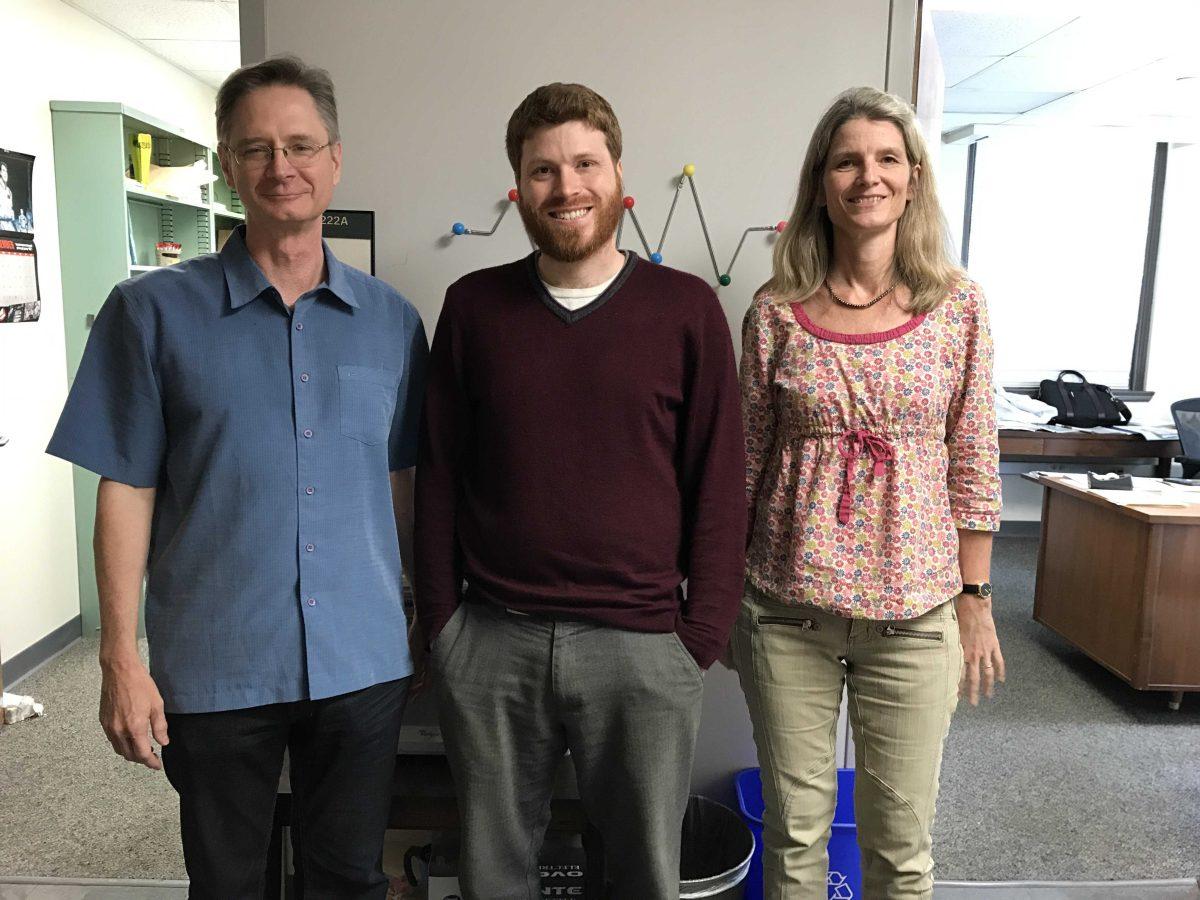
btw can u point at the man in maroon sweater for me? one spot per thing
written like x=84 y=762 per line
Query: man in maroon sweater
x=581 y=457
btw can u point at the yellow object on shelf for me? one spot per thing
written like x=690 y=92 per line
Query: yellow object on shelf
x=141 y=156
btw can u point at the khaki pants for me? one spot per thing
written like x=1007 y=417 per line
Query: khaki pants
x=902 y=678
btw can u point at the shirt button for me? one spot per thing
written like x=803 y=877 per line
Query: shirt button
x=299 y=326
x=310 y=547
x=312 y=601
x=304 y=376
x=310 y=490
x=308 y=432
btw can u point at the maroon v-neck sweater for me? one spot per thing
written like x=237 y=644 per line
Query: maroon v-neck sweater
x=584 y=463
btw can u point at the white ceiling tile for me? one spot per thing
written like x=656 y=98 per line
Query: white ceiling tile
x=211 y=78
x=951 y=121
x=958 y=69
x=990 y=34
x=962 y=100
x=1152 y=91
x=1132 y=39
x=194 y=55
x=202 y=20
x=1148 y=101
x=1099 y=62
x=200 y=36
x=1047 y=73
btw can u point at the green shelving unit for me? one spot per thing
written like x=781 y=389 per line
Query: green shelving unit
x=108 y=226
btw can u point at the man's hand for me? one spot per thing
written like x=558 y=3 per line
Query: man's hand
x=726 y=657
x=130 y=704
x=420 y=659
x=131 y=709
x=983 y=664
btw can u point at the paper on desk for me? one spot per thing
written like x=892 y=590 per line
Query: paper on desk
x=1021 y=425
x=1184 y=489
x=1010 y=425
x=1018 y=411
x=1146 y=491
x=1075 y=429
x=1142 y=498
x=1151 y=432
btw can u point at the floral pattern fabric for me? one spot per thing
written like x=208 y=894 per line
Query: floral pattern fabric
x=865 y=455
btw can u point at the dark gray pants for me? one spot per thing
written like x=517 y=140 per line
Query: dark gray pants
x=514 y=693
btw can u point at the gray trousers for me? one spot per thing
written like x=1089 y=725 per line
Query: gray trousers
x=514 y=693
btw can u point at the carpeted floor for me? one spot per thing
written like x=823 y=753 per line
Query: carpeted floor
x=83 y=889
x=1067 y=775
x=70 y=806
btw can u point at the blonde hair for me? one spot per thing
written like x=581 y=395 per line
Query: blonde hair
x=923 y=257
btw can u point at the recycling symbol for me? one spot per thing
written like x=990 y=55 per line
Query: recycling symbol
x=839 y=887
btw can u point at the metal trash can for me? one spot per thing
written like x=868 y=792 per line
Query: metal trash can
x=715 y=852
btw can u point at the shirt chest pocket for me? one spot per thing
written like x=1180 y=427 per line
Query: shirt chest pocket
x=367 y=397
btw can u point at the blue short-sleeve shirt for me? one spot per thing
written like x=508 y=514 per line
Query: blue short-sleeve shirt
x=274 y=571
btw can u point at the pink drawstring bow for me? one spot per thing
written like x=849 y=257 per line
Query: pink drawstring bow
x=852 y=446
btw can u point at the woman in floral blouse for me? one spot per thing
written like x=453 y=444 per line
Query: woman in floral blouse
x=873 y=487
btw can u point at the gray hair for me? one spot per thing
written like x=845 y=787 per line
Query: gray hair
x=285 y=70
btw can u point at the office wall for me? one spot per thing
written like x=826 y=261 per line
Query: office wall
x=425 y=91
x=55 y=52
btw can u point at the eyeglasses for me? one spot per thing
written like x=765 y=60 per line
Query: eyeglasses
x=259 y=156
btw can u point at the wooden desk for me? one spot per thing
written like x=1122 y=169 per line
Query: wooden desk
x=1080 y=447
x=1123 y=585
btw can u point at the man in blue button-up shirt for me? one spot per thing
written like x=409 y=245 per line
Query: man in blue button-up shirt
x=253 y=417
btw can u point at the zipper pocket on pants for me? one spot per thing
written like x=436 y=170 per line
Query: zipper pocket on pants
x=893 y=631
x=802 y=624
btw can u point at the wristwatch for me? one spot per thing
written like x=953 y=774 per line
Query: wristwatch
x=983 y=589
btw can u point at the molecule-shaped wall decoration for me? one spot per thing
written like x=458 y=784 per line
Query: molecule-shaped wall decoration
x=656 y=255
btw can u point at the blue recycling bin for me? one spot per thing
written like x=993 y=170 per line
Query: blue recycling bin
x=845 y=866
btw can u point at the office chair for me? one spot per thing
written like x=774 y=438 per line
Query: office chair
x=1187 y=422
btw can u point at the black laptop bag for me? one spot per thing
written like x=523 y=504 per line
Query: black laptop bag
x=1081 y=403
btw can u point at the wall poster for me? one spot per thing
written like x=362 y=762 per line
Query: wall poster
x=20 y=296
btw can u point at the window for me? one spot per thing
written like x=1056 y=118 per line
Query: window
x=1066 y=138
x=1058 y=242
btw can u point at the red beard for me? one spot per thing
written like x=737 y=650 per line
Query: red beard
x=569 y=247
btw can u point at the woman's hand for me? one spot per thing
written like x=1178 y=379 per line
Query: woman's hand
x=983 y=664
